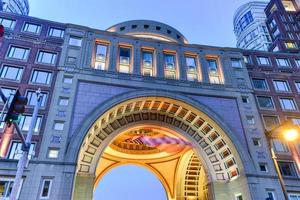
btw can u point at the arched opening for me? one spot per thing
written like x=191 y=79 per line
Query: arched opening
x=131 y=182
x=210 y=169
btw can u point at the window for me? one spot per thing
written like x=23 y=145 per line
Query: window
x=170 y=66
x=250 y=120
x=297 y=62
x=100 y=57
x=68 y=80
x=283 y=62
x=287 y=169
x=59 y=126
x=290 y=45
x=46 y=57
x=236 y=63
x=6 y=185
x=294 y=196
x=245 y=20
x=25 y=121
x=297 y=84
x=247 y=60
x=11 y=72
x=213 y=71
x=8 y=23
x=295 y=121
x=63 y=101
x=271 y=121
x=125 y=60
x=263 y=60
x=260 y=84
x=46 y=188
x=265 y=102
x=32 y=28
x=18 y=53
x=281 y=86
x=147 y=63
x=270 y=194
x=256 y=142
x=53 y=153
x=8 y=92
x=55 y=32
x=245 y=99
x=191 y=63
x=32 y=98
x=280 y=146
x=288 y=104
x=75 y=41
x=41 y=77
x=15 y=151
x=288 y=5
x=263 y=167
x=238 y=197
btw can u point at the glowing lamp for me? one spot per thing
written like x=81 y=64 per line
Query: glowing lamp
x=291 y=135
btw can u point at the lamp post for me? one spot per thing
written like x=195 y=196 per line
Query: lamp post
x=289 y=133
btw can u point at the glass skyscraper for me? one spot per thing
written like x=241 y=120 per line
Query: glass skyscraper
x=15 y=6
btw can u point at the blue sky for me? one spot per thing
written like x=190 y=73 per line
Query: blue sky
x=202 y=22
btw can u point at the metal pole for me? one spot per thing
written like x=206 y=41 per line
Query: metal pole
x=24 y=158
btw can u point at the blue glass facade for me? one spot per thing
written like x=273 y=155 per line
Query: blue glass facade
x=15 y=6
x=244 y=22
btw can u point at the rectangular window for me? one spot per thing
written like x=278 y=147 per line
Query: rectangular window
x=297 y=62
x=8 y=23
x=263 y=167
x=297 y=84
x=41 y=77
x=18 y=53
x=280 y=146
x=260 y=84
x=192 y=73
x=25 y=121
x=148 y=69
x=213 y=71
x=170 y=66
x=287 y=169
x=288 y=104
x=46 y=57
x=55 y=32
x=6 y=185
x=265 y=102
x=270 y=194
x=281 y=86
x=46 y=188
x=8 y=92
x=247 y=60
x=294 y=196
x=238 y=197
x=68 y=80
x=271 y=121
x=53 y=153
x=256 y=142
x=288 y=5
x=32 y=28
x=290 y=45
x=263 y=60
x=236 y=63
x=295 y=121
x=75 y=41
x=58 y=126
x=100 y=57
x=63 y=101
x=11 y=73
x=250 y=120
x=32 y=98
x=125 y=60
x=15 y=151
x=283 y=62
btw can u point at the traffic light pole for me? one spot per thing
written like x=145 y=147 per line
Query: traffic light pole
x=25 y=148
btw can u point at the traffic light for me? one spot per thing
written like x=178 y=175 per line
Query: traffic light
x=17 y=107
x=1 y=30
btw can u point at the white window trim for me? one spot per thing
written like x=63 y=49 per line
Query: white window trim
x=50 y=187
x=12 y=179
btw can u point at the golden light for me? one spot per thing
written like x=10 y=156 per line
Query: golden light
x=291 y=135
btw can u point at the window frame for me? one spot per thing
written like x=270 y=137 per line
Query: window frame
x=166 y=69
x=45 y=101
x=286 y=61
x=219 y=69
x=13 y=23
x=130 y=63
x=268 y=59
x=42 y=188
x=55 y=54
x=13 y=66
x=264 y=121
x=39 y=28
x=152 y=69
x=77 y=38
x=294 y=103
x=106 y=56
x=265 y=108
x=287 y=86
x=195 y=73
x=291 y=164
x=41 y=70
x=265 y=81
x=55 y=28
x=20 y=47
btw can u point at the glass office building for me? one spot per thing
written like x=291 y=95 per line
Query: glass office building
x=15 y=6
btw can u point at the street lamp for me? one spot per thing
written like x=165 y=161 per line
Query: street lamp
x=289 y=133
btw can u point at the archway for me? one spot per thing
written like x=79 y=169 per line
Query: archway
x=220 y=158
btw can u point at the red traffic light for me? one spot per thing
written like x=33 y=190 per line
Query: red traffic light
x=1 y=30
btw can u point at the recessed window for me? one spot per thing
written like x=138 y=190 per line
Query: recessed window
x=280 y=146
x=289 y=6
x=260 y=84
x=125 y=60
x=297 y=84
x=53 y=153
x=283 y=62
x=213 y=71
x=239 y=197
x=41 y=77
x=271 y=121
x=11 y=73
x=55 y=32
x=263 y=167
x=294 y=196
x=250 y=120
x=297 y=61
x=265 y=102
x=147 y=69
x=8 y=23
x=290 y=45
x=295 y=121
x=63 y=101
x=281 y=86
x=32 y=28
x=59 y=126
x=287 y=169
x=6 y=185
x=256 y=142
x=170 y=66
x=263 y=60
x=158 y=28
x=100 y=57
x=46 y=189
x=15 y=151
x=8 y=92
x=288 y=104
x=236 y=63
x=75 y=41
x=68 y=80
x=134 y=26
x=271 y=194
x=192 y=74
x=245 y=99
x=32 y=98
x=122 y=28
x=25 y=121
x=46 y=57
x=247 y=59
x=19 y=53
x=146 y=26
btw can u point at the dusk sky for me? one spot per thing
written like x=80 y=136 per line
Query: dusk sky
x=202 y=22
